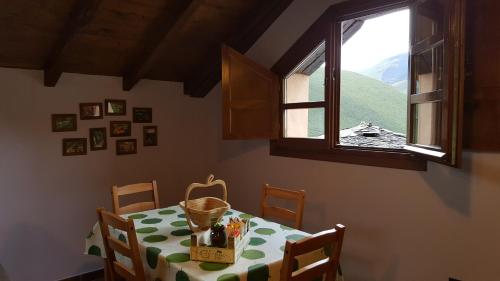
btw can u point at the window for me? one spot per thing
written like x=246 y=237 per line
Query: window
x=374 y=80
x=370 y=82
x=304 y=98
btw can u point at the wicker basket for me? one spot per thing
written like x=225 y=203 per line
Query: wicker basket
x=201 y=213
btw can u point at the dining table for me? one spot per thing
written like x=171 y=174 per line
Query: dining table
x=164 y=242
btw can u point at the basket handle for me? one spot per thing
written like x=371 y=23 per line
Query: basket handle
x=210 y=182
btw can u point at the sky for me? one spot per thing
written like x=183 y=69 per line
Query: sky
x=378 y=39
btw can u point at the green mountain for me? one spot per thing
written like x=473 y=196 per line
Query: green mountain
x=362 y=99
x=366 y=99
x=392 y=71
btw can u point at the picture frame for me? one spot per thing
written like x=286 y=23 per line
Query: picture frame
x=115 y=107
x=142 y=115
x=150 y=135
x=91 y=110
x=74 y=146
x=120 y=128
x=63 y=122
x=125 y=147
x=98 y=139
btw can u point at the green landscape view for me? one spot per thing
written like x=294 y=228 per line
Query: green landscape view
x=379 y=99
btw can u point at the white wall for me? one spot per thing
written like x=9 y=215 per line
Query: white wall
x=47 y=201
x=401 y=225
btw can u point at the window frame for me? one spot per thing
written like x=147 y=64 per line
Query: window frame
x=325 y=104
x=340 y=15
x=328 y=28
x=451 y=94
x=307 y=43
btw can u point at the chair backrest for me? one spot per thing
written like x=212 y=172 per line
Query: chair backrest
x=117 y=191
x=111 y=244
x=329 y=239
x=282 y=213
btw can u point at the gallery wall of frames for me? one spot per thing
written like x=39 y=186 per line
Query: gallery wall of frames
x=98 y=137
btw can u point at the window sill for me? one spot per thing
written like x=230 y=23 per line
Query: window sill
x=377 y=158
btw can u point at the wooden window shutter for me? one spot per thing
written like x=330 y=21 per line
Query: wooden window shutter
x=435 y=107
x=250 y=96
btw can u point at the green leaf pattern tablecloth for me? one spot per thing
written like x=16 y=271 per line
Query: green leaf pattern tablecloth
x=164 y=239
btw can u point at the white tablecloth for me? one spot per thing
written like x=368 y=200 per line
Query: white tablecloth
x=164 y=240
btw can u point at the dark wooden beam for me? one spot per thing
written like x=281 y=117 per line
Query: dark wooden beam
x=155 y=41
x=207 y=76
x=82 y=13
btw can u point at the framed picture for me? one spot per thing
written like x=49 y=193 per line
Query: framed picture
x=115 y=107
x=97 y=137
x=150 y=135
x=76 y=146
x=126 y=147
x=142 y=115
x=90 y=111
x=120 y=128
x=63 y=122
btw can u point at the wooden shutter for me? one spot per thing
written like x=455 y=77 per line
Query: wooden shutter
x=436 y=80
x=250 y=95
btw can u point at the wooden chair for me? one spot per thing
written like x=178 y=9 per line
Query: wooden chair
x=115 y=268
x=131 y=189
x=281 y=213
x=331 y=239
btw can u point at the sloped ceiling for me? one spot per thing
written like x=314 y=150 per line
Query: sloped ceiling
x=172 y=40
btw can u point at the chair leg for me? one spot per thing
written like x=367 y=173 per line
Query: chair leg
x=340 y=276
x=107 y=269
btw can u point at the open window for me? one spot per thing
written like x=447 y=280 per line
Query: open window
x=437 y=77
x=348 y=93
x=372 y=81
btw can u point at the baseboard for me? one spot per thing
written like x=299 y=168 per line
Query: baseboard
x=89 y=276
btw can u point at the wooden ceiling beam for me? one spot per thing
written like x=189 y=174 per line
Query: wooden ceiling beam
x=82 y=13
x=200 y=84
x=156 y=40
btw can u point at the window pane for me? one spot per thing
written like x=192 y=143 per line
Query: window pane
x=427 y=124
x=429 y=20
x=305 y=123
x=429 y=71
x=374 y=80
x=306 y=83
